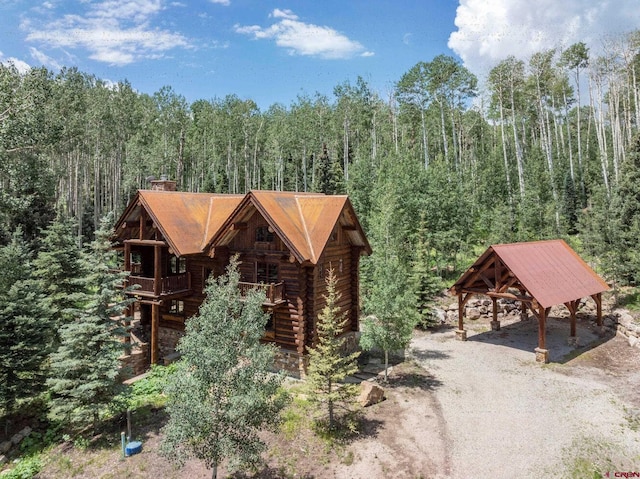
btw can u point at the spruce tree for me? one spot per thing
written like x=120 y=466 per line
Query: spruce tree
x=24 y=327
x=222 y=394
x=569 y=207
x=424 y=282
x=60 y=269
x=625 y=209
x=85 y=367
x=328 y=366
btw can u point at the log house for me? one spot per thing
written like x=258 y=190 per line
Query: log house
x=286 y=242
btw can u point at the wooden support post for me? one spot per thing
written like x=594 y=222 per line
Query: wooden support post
x=461 y=334
x=127 y=257
x=155 y=326
x=157 y=270
x=598 y=299
x=542 y=355
x=495 y=324
x=572 y=306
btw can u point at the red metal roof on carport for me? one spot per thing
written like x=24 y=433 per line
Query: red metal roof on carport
x=551 y=271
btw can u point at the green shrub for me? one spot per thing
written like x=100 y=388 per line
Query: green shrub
x=25 y=468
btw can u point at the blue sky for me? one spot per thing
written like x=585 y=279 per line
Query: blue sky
x=273 y=51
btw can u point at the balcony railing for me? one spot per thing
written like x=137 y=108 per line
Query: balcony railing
x=168 y=284
x=273 y=291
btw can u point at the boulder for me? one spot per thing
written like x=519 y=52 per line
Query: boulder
x=626 y=319
x=370 y=393
x=5 y=446
x=473 y=313
x=440 y=314
x=16 y=438
x=3 y=459
x=632 y=341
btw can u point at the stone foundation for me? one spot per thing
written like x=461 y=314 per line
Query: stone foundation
x=137 y=362
x=290 y=362
x=168 y=340
x=542 y=355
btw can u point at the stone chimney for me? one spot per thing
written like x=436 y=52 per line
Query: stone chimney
x=163 y=184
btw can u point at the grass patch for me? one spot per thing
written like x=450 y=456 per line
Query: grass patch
x=591 y=458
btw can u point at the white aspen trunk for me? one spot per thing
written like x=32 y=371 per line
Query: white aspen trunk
x=519 y=159
x=424 y=140
x=345 y=149
x=601 y=137
x=304 y=167
x=566 y=115
x=443 y=131
x=504 y=153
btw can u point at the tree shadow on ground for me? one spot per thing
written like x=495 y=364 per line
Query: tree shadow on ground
x=428 y=354
x=523 y=335
x=268 y=473
x=412 y=376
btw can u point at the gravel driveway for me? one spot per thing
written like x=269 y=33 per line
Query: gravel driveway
x=507 y=416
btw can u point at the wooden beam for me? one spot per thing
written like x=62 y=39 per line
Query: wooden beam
x=542 y=332
x=524 y=299
x=238 y=226
x=134 y=224
x=157 y=270
x=155 y=326
x=572 y=306
x=598 y=299
x=486 y=280
x=139 y=242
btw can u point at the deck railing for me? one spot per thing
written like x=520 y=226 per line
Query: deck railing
x=273 y=291
x=168 y=284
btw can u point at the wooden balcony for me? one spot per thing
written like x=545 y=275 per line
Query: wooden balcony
x=274 y=292
x=174 y=285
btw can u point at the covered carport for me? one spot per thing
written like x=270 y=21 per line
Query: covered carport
x=538 y=274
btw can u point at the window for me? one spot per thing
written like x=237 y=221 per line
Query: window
x=266 y=273
x=206 y=274
x=177 y=265
x=176 y=307
x=264 y=234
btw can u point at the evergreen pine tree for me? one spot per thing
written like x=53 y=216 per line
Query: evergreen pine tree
x=328 y=178
x=85 y=368
x=222 y=394
x=60 y=269
x=24 y=329
x=625 y=209
x=569 y=205
x=424 y=283
x=328 y=366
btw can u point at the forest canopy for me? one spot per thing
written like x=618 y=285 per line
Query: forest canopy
x=444 y=162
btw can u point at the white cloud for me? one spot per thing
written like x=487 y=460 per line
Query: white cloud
x=306 y=39
x=117 y=32
x=406 y=38
x=44 y=59
x=21 y=66
x=224 y=3
x=488 y=32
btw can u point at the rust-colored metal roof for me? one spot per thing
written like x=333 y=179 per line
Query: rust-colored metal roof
x=193 y=222
x=550 y=271
x=304 y=221
x=187 y=221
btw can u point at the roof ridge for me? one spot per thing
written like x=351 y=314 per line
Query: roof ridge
x=306 y=230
